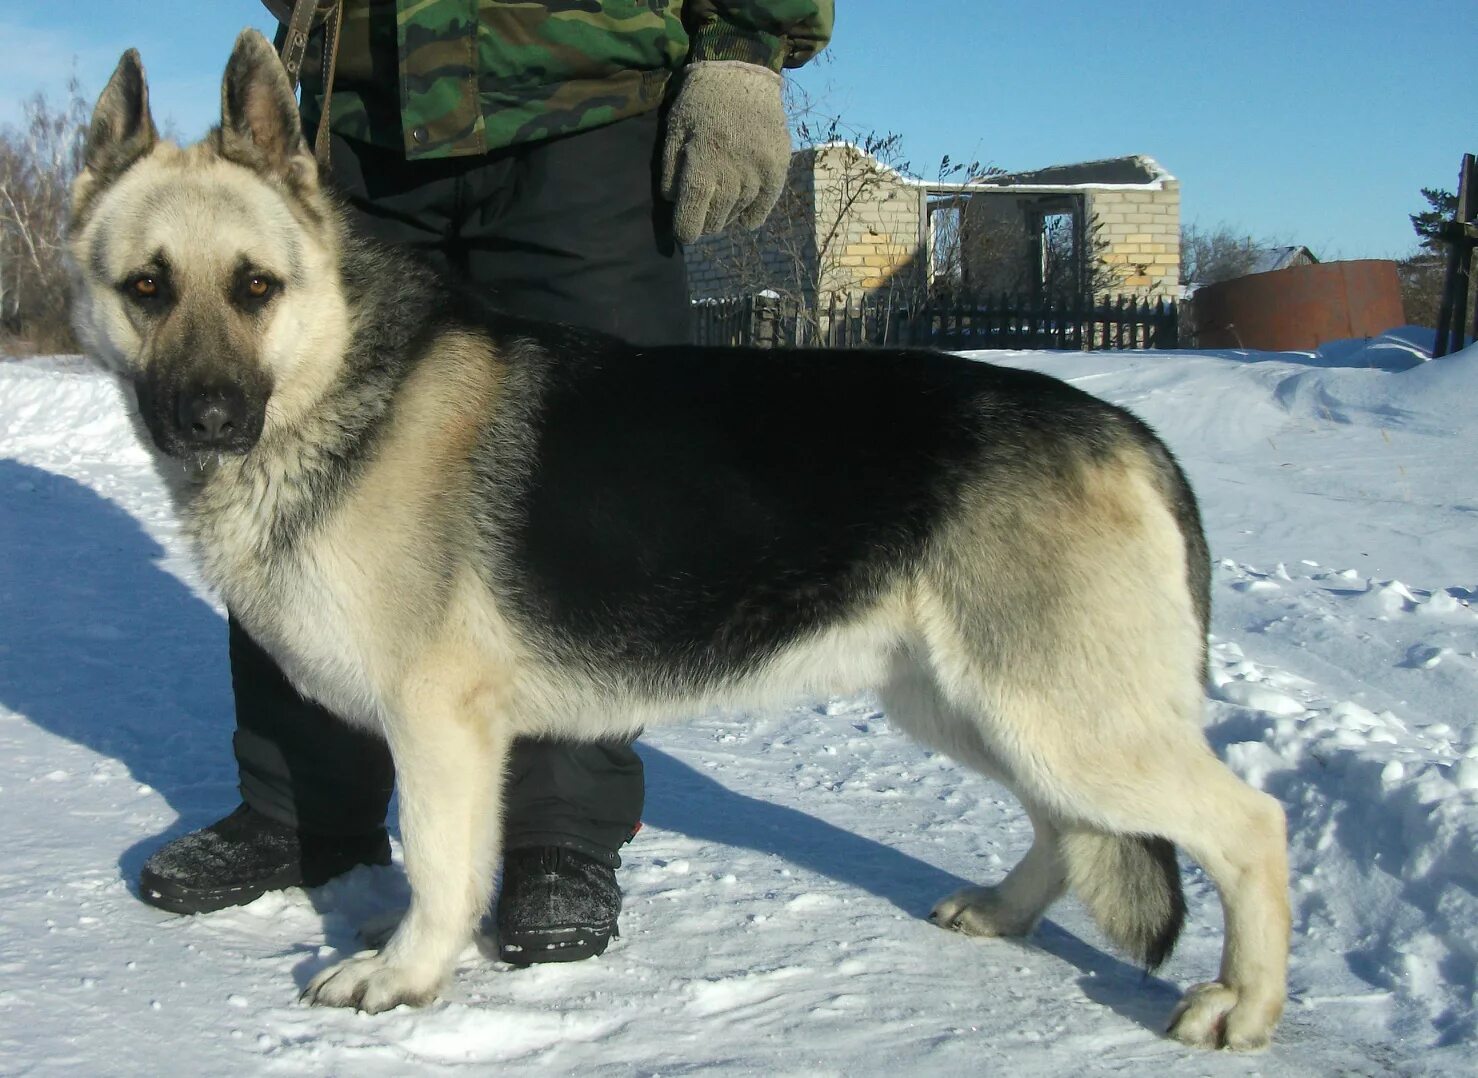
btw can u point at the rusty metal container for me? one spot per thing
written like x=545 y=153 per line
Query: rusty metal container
x=1299 y=308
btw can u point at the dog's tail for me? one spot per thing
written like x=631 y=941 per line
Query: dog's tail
x=1131 y=885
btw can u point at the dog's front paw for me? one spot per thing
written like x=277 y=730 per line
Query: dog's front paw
x=981 y=911
x=367 y=982
x=1213 y=1015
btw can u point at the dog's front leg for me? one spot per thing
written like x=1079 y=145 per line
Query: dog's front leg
x=449 y=761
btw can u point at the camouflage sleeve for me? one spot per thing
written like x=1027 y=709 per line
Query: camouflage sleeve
x=771 y=33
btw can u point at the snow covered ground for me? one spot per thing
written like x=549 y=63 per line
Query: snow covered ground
x=775 y=901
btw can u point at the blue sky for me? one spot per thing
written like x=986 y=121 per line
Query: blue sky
x=1301 y=121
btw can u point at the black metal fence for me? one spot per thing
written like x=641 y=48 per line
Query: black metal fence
x=1006 y=321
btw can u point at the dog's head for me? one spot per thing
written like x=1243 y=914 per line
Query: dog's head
x=208 y=276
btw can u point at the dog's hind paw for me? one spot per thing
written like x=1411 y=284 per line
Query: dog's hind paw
x=981 y=911
x=1214 y=1015
x=367 y=982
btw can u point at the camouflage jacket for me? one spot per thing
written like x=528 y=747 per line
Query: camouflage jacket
x=444 y=78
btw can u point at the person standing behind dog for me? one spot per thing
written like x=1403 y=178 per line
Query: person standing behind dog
x=555 y=155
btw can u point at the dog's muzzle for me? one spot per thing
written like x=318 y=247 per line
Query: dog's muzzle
x=201 y=419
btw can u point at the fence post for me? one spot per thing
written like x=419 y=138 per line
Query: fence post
x=1462 y=238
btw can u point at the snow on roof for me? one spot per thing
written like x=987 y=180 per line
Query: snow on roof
x=1269 y=259
x=1137 y=171
x=1114 y=173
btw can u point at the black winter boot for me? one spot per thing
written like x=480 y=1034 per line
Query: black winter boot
x=555 y=905
x=242 y=857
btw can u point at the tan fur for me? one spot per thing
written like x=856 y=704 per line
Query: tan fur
x=393 y=593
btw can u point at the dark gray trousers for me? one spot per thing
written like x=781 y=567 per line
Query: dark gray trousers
x=568 y=230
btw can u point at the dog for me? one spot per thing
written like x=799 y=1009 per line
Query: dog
x=456 y=527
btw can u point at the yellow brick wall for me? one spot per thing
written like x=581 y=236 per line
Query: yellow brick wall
x=1139 y=233
x=868 y=231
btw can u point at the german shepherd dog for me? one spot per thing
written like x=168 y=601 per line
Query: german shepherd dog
x=456 y=527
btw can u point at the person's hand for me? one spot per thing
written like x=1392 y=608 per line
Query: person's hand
x=727 y=148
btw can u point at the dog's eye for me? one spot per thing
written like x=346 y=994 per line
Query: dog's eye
x=148 y=291
x=253 y=291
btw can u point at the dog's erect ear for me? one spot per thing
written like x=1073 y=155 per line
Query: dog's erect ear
x=122 y=130
x=259 y=114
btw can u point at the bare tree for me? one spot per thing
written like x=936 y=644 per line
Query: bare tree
x=1074 y=262
x=842 y=182
x=1209 y=256
x=1422 y=276
x=954 y=246
x=38 y=161
x=796 y=258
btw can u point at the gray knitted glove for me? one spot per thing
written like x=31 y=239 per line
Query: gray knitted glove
x=727 y=148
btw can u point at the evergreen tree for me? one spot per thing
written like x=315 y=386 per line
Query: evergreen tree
x=1429 y=224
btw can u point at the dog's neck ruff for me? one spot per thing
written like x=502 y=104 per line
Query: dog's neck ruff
x=253 y=512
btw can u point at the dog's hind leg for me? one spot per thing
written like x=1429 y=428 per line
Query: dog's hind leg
x=449 y=764
x=1082 y=675
x=1181 y=794
x=1142 y=910
x=1109 y=806
x=1127 y=790
x=1015 y=905
x=1239 y=836
x=1066 y=613
x=1130 y=883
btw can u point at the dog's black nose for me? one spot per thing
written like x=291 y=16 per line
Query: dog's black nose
x=212 y=417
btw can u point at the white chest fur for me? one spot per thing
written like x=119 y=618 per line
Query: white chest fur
x=316 y=604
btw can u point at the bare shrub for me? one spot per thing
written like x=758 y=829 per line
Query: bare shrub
x=38 y=161
x=1213 y=255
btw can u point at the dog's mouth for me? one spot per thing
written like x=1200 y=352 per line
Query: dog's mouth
x=199 y=466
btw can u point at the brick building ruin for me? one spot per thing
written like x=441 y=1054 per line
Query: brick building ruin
x=849 y=225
